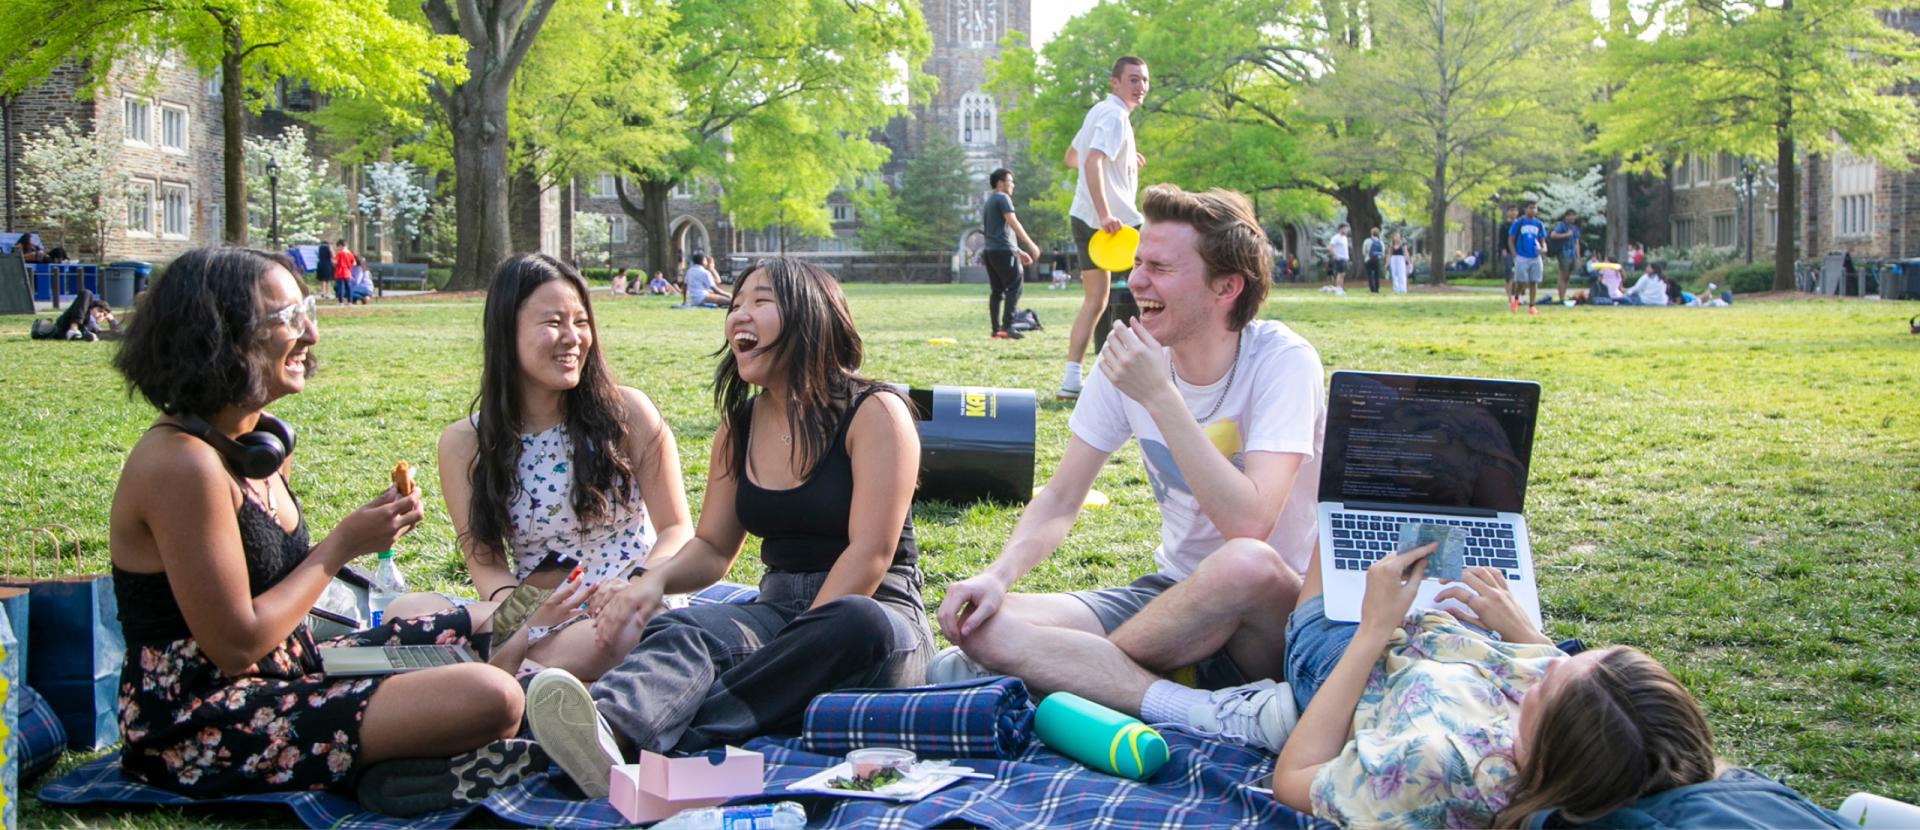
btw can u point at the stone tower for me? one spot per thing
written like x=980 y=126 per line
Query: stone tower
x=966 y=36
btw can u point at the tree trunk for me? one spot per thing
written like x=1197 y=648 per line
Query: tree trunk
x=1363 y=214
x=1618 y=218
x=654 y=196
x=1437 y=223
x=523 y=197
x=478 y=120
x=1784 y=249
x=233 y=130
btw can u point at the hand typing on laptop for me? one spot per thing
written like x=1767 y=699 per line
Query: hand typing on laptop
x=1484 y=591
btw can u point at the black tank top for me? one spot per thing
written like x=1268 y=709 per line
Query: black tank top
x=804 y=529
x=149 y=615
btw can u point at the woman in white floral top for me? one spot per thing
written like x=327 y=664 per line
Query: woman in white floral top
x=558 y=469
x=1474 y=720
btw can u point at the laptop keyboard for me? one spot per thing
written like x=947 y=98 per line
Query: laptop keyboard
x=1361 y=539
x=421 y=657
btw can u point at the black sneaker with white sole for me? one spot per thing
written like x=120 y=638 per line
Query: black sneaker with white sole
x=412 y=786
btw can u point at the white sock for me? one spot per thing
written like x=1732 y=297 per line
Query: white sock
x=1168 y=702
x=1071 y=378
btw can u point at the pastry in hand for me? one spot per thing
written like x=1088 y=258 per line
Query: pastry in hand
x=402 y=479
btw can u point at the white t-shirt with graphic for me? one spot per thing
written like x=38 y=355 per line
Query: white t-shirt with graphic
x=1277 y=404
x=1107 y=129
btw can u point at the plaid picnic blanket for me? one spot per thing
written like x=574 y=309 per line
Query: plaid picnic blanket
x=1205 y=785
x=988 y=717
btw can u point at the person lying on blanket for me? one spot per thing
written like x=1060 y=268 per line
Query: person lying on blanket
x=821 y=465
x=1479 y=720
x=558 y=466
x=1229 y=414
x=223 y=691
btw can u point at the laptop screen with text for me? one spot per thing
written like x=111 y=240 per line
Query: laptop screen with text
x=1437 y=441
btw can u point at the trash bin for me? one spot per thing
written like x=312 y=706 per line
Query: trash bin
x=976 y=443
x=117 y=285
x=1901 y=280
x=1120 y=308
x=141 y=271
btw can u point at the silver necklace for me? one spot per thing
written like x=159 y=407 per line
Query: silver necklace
x=1233 y=369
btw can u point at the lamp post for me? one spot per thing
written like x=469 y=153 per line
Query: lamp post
x=1746 y=175
x=273 y=196
x=609 y=242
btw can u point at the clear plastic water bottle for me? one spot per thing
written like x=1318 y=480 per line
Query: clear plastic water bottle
x=387 y=586
x=784 y=815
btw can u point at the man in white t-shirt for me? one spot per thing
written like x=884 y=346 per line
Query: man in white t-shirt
x=1339 y=257
x=1103 y=198
x=1229 y=414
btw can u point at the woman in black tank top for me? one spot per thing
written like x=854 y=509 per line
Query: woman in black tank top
x=223 y=690
x=821 y=464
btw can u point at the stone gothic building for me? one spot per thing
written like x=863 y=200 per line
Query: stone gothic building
x=966 y=37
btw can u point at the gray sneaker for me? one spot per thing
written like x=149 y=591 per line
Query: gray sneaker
x=1259 y=714
x=952 y=665
x=561 y=715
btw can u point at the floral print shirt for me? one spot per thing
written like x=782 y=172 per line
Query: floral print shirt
x=543 y=522
x=1432 y=729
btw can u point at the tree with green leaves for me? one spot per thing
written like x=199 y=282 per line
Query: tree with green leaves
x=339 y=47
x=1466 y=96
x=1774 y=79
x=496 y=35
x=785 y=164
x=928 y=213
x=740 y=70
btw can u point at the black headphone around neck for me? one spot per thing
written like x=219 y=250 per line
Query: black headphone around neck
x=257 y=454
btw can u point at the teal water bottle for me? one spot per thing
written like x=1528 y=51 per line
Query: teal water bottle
x=1099 y=737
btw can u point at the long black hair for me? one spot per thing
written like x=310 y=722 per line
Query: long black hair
x=593 y=411
x=190 y=345
x=819 y=352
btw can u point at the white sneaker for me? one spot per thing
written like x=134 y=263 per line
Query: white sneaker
x=952 y=665
x=1259 y=714
x=560 y=712
x=1339 y=292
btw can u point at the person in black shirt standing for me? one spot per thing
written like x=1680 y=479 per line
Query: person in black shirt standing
x=1005 y=263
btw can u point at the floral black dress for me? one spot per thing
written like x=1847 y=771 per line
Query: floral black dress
x=283 y=725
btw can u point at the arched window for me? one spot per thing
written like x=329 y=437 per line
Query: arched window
x=977 y=119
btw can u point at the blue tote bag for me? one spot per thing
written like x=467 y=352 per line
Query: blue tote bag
x=74 y=647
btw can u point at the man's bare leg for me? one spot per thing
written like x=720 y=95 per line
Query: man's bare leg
x=1094 y=287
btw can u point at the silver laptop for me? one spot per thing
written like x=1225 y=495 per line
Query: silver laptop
x=1414 y=448
x=364 y=661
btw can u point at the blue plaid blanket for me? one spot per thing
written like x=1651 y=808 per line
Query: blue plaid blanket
x=1205 y=785
x=989 y=717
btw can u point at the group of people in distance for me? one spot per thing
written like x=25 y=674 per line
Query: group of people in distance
x=564 y=488
x=623 y=285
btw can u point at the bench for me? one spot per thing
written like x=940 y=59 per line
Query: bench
x=388 y=274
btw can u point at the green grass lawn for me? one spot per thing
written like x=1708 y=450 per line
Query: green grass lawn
x=1736 y=491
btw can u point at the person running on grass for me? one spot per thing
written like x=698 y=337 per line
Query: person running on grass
x=1524 y=239
x=1005 y=263
x=1103 y=198
x=1229 y=413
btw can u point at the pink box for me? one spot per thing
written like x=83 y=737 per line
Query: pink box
x=659 y=787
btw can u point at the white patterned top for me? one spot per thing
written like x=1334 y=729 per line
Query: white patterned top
x=542 y=520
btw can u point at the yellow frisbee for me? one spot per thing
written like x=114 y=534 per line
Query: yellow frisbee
x=941 y=341
x=1114 y=251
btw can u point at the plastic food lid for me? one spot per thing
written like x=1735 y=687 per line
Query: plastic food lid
x=1114 y=251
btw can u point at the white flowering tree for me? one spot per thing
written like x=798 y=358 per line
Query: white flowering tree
x=393 y=200
x=68 y=189
x=310 y=202
x=1584 y=194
